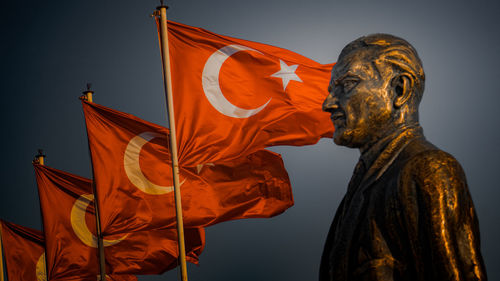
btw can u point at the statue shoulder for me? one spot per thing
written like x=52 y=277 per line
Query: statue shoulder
x=434 y=181
x=434 y=170
x=431 y=161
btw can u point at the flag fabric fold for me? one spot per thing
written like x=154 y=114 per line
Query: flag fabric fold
x=132 y=169
x=24 y=252
x=71 y=243
x=233 y=97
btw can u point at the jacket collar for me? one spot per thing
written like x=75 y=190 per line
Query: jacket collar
x=389 y=148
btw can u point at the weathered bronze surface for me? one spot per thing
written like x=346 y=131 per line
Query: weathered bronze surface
x=407 y=213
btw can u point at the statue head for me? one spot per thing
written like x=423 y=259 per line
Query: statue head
x=375 y=89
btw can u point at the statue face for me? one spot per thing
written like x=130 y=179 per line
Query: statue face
x=360 y=100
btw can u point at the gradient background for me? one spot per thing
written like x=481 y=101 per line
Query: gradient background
x=51 y=49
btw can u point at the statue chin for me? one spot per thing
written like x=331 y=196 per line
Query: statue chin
x=343 y=137
x=339 y=141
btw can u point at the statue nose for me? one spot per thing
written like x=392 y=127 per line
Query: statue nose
x=330 y=103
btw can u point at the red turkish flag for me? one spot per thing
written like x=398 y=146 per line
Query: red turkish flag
x=108 y=278
x=233 y=97
x=69 y=223
x=133 y=174
x=24 y=252
x=114 y=277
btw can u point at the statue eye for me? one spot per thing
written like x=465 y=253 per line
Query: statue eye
x=349 y=84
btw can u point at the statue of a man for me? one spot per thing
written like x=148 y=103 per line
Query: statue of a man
x=407 y=214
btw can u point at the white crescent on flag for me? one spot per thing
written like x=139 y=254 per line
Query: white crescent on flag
x=41 y=273
x=211 y=87
x=133 y=168
x=79 y=224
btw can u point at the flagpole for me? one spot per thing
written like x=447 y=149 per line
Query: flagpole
x=1 y=255
x=40 y=159
x=167 y=83
x=87 y=95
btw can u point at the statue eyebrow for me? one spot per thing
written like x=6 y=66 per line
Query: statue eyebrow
x=343 y=77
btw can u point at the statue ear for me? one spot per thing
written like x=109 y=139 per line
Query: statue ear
x=402 y=85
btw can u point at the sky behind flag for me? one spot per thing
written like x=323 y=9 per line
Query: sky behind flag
x=49 y=52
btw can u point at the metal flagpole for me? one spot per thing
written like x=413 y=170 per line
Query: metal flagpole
x=167 y=82
x=40 y=159
x=1 y=255
x=87 y=95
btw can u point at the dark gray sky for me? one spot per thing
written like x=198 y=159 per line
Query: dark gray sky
x=50 y=49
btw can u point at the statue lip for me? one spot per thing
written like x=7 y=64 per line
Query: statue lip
x=337 y=115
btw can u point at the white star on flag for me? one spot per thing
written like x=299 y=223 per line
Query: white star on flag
x=287 y=73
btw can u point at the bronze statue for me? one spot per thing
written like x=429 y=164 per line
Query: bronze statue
x=407 y=213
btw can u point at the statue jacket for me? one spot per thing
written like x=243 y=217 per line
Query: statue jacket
x=407 y=215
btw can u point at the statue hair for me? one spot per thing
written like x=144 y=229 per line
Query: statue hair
x=396 y=52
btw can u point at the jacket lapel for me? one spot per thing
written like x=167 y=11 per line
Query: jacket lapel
x=388 y=155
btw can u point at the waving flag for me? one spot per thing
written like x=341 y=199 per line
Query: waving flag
x=69 y=222
x=133 y=175
x=233 y=97
x=24 y=252
x=114 y=277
